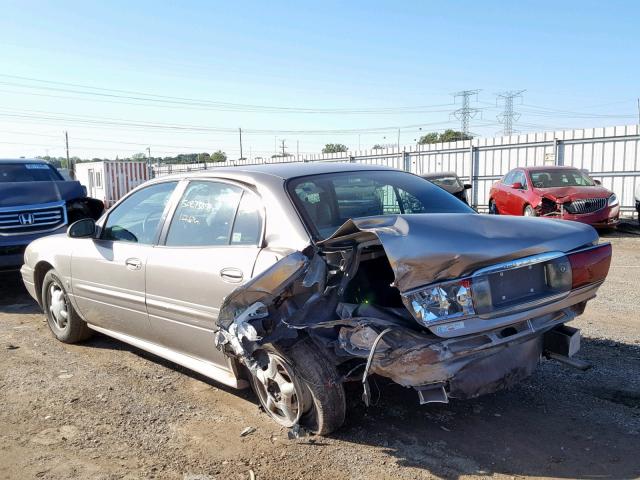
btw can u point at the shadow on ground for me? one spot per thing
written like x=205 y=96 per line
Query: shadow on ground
x=559 y=423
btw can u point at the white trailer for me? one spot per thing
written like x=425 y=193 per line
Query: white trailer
x=110 y=180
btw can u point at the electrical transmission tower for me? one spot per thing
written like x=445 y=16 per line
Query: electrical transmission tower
x=508 y=116
x=466 y=112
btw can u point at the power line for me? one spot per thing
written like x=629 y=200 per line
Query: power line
x=93 y=120
x=465 y=113
x=166 y=100
x=508 y=116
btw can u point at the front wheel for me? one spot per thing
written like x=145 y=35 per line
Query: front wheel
x=493 y=209
x=299 y=385
x=64 y=322
x=529 y=211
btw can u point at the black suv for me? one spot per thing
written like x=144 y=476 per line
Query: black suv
x=35 y=200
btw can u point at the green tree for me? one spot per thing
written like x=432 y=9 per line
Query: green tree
x=432 y=137
x=138 y=156
x=334 y=148
x=448 y=135
x=204 y=157
x=219 y=156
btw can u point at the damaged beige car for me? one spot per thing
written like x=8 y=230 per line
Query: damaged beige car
x=299 y=278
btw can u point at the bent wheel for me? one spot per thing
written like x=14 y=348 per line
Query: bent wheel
x=300 y=385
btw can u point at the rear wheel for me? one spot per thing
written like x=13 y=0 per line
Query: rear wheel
x=65 y=324
x=299 y=386
x=529 y=211
x=493 y=209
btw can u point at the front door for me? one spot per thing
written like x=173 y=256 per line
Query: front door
x=108 y=273
x=209 y=249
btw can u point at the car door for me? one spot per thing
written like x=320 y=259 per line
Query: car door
x=208 y=248
x=108 y=273
x=501 y=196
x=518 y=196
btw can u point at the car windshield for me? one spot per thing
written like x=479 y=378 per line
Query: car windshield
x=28 y=172
x=568 y=177
x=327 y=201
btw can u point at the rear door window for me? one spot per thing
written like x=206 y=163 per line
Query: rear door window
x=204 y=216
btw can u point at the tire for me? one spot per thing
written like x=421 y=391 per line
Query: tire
x=64 y=322
x=529 y=211
x=310 y=380
x=493 y=209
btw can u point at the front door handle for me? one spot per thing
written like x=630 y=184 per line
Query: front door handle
x=231 y=274
x=133 y=263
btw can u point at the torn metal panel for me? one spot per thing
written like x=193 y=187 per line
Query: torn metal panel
x=431 y=247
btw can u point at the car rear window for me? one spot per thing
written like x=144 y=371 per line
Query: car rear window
x=28 y=172
x=327 y=201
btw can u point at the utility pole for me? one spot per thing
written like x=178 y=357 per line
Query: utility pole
x=398 y=139
x=508 y=116
x=283 y=151
x=148 y=149
x=240 y=132
x=66 y=141
x=465 y=113
x=297 y=150
x=638 y=110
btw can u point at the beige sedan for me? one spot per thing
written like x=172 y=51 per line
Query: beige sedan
x=297 y=278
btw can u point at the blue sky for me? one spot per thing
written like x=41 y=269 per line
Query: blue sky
x=578 y=62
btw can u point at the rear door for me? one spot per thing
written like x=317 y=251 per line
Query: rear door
x=108 y=273
x=208 y=249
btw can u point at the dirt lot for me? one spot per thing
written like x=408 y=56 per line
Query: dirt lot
x=105 y=410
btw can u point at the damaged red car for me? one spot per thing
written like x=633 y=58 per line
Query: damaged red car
x=557 y=192
x=299 y=278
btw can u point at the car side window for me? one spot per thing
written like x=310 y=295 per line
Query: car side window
x=508 y=178
x=137 y=218
x=520 y=177
x=204 y=216
x=247 y=226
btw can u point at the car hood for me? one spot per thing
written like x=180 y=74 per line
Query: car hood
x=573 y=193
x=425 y=248
x=14 y=194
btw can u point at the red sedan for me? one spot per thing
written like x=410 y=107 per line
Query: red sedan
x=560 y=192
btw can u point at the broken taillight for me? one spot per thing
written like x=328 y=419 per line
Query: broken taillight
x=517 y=282
x=590 y=266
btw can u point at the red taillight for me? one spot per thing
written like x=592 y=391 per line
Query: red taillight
x=590 y=266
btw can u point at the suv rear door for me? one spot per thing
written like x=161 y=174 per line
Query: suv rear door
x=208 y=247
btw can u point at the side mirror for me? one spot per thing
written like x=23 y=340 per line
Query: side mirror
x=597 y=182
x=467 y=186
x=517 y=186
x=84 y=228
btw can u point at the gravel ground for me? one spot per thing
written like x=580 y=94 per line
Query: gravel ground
x=104 y=410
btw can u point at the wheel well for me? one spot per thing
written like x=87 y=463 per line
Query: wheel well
x=38 y=276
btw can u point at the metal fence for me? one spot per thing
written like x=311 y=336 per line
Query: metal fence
x=609 y=154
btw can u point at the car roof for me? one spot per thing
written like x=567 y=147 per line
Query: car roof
x=22 y=160
x=439 y=175
x=283 y=171
x=547 y=167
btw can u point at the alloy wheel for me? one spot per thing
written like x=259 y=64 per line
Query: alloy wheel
x=279 y=391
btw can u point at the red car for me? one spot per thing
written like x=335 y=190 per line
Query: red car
x=557 y=192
